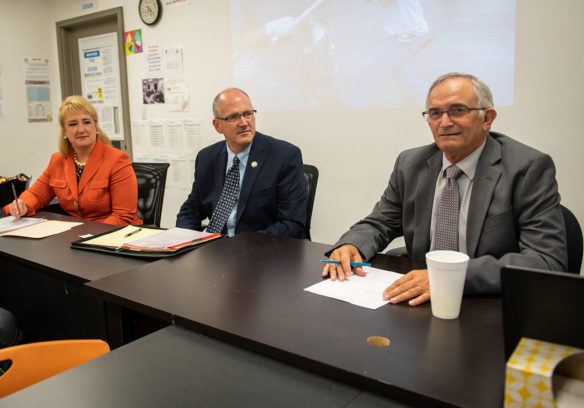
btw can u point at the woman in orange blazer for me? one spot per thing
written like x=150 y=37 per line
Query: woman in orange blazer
x=91 y=179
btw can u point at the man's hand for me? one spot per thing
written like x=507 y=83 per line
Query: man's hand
x=346 y=254
x=414 y=285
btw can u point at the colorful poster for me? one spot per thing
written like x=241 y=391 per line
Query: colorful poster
x=134 y=42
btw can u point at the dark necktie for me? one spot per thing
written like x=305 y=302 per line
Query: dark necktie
x=446 y=235
x=227 y=199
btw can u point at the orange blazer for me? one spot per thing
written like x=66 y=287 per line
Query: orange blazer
x=107 y=191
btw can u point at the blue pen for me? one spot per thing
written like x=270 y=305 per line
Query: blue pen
x=352 y=263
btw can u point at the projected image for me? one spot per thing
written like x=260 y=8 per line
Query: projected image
x=367 y=54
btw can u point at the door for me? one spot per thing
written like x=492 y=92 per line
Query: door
x=104 y=26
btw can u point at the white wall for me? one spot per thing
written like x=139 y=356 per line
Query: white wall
x=354 y=164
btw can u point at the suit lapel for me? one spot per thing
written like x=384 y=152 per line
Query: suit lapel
x=219 y=169
x=486 y=178
x=71 y=176
x=93 y=163
x=423 y=205
x=255 y=162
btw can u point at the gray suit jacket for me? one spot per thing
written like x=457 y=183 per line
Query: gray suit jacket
x=513 y=218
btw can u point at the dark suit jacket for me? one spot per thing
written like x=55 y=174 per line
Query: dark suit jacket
x=107 y=191
x=513 y=217
x=273 y=194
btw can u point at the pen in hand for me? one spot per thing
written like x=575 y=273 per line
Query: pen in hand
x=129 y=234
x=16 y=201
x=352 y=263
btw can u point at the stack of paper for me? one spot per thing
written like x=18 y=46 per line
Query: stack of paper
x=172 y=239
x=365 y=291
x=33 y=227
x=12 y=223
x=142 y=239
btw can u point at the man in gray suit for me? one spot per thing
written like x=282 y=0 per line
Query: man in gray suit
x=509 y=209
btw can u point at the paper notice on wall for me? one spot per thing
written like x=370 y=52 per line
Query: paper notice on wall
x=175 y=141
x=38 y=90
x=154 y=59
x=101 y=81
x=173 y=64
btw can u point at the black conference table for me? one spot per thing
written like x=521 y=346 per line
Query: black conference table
x=41 y=282
x=248 y=291
x=176 y=367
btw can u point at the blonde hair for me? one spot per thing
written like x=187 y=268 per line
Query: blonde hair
x=77 y=104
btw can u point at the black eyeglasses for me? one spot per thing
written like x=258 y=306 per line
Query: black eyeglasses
x=454 y=112
x=235 y=116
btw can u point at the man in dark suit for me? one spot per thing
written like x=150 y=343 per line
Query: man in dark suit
x=272 y=189
x=508 y=211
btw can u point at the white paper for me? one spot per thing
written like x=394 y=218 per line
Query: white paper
x=43 y=229
x=11 y=223
x=177 y=96
x=154 y=58
x=140 y=135
x=157 y=135
x=171 y=237
x=193 y=135
x=38 y=90
x=175 y=135
x=173 y=63
x=172 y=4
x=365 y=291
x=178 y=172
x=101 y=81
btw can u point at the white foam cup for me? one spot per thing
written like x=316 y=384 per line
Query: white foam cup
x=446 y=272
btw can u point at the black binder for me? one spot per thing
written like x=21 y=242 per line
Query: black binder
x=114 y=250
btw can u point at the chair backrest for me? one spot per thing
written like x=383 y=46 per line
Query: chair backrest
x=20 y=183
x=151 y=182
x=311 y=176
x=34 y=362
x=574 y=238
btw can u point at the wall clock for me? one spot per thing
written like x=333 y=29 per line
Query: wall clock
x=150 y=11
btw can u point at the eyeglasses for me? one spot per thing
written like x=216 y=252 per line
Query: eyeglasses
x=235 y=116
x=454 y=112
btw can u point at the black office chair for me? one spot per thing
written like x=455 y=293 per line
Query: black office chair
x=574 y=239
x=311 y=176
x=151 y=182
x=20 y=182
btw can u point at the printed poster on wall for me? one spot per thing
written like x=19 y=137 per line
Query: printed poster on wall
x=100 y=81
x=38 y=89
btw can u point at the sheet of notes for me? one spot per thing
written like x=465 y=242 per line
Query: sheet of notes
x=364 y=291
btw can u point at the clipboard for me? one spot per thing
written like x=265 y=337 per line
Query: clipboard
x=99 y=243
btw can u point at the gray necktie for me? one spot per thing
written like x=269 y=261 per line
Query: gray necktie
x=227 y=199
x=446 y=234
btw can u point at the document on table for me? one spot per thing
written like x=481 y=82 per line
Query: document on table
x=119 y=237
x=42 y=229
x=169 y=239
x=365 y=291
x=138 y=238
x=11 y=223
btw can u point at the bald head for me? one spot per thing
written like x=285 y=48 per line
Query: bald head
x=225 y=94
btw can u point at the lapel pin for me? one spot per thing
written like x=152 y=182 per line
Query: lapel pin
x=254 y=164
